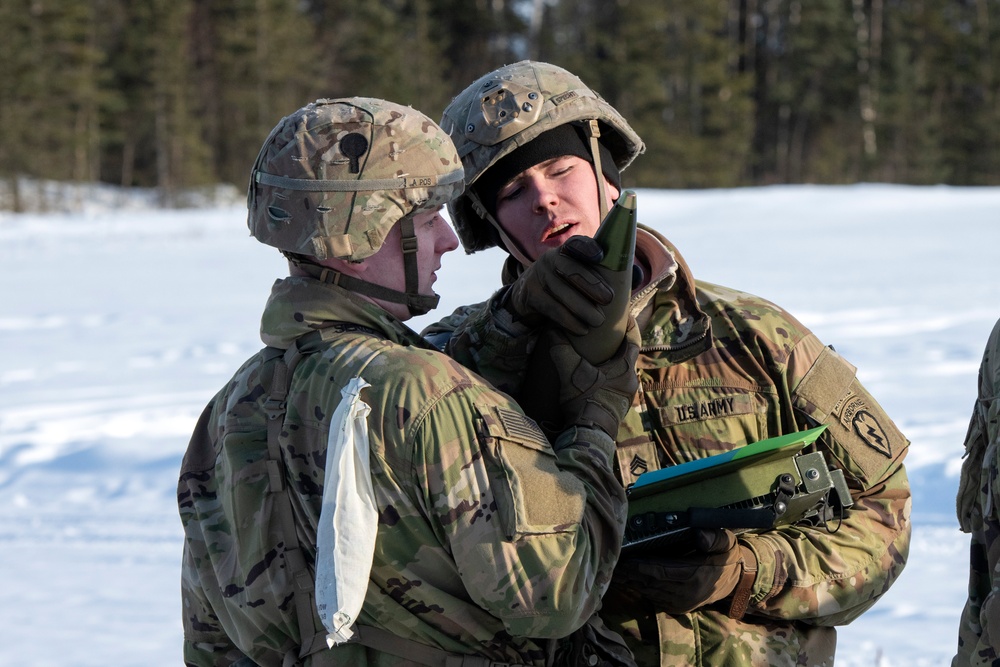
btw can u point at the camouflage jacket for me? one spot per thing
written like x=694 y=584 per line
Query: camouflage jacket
x=720 y=369
x=489 y=537
x=979 y=514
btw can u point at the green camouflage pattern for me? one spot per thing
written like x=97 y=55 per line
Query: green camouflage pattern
x=490 y=539
x=382 y=161
x=979 y=514
x=720 y=369
x=509 y=107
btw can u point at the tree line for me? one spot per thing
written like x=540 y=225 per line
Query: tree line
x=175 y=94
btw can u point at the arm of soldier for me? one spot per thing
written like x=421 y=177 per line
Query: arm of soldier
x=978 y=493
x=990 y=613
x=829 y=576
x=206 y=644
x=810 y=574
x=484 y=337
x=971 y=520
x=535 y=529
x=563 y=287
x=440 y=333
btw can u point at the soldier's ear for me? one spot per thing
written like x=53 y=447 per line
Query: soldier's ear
x=613 y=192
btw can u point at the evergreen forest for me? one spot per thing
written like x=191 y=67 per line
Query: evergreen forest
x=175 y=94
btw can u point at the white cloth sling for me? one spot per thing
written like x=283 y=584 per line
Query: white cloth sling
x=348 y=522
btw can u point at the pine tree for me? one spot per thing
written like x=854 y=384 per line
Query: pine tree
x=971 y=149
x=911 y=123
x=178 y=93
x=392 y=49
x=477 y=36
x=54 y=86
x=832 y=75
x=154 y=126
x=671 y=71
x=21 y=78
x=255 y=61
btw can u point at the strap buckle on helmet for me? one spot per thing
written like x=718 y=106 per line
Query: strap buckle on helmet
x=409 y=244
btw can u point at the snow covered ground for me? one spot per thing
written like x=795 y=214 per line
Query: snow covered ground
x=117 y=325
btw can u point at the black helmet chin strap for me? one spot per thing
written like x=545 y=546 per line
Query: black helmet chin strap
x=417 y=304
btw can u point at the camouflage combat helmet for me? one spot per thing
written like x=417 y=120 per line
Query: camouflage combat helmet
x=333 y=178
x=508 y=108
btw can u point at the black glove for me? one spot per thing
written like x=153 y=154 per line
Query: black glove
x=718 y=566
x=563 y=286
x=595 y=396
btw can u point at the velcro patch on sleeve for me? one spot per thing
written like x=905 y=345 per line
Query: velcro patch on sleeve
x=827 y=382
x=864 y=439
x=536 y=496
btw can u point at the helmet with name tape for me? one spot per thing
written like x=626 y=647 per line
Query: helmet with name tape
x=333 y=178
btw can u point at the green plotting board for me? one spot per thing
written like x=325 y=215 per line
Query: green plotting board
x=749 y=456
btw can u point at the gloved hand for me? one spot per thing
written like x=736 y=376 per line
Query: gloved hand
x=718 y=566
x=595 y=396
x=564 y=286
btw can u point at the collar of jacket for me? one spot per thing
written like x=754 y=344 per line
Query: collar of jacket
x=300 y=304
x=671 y=319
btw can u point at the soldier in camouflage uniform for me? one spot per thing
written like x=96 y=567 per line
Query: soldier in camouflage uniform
x=718 y=369
x=490 y=538
x=979 y=514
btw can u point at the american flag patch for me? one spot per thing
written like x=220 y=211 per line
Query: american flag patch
x=519 y=425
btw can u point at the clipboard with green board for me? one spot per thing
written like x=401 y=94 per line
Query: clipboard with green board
x=755 y=487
